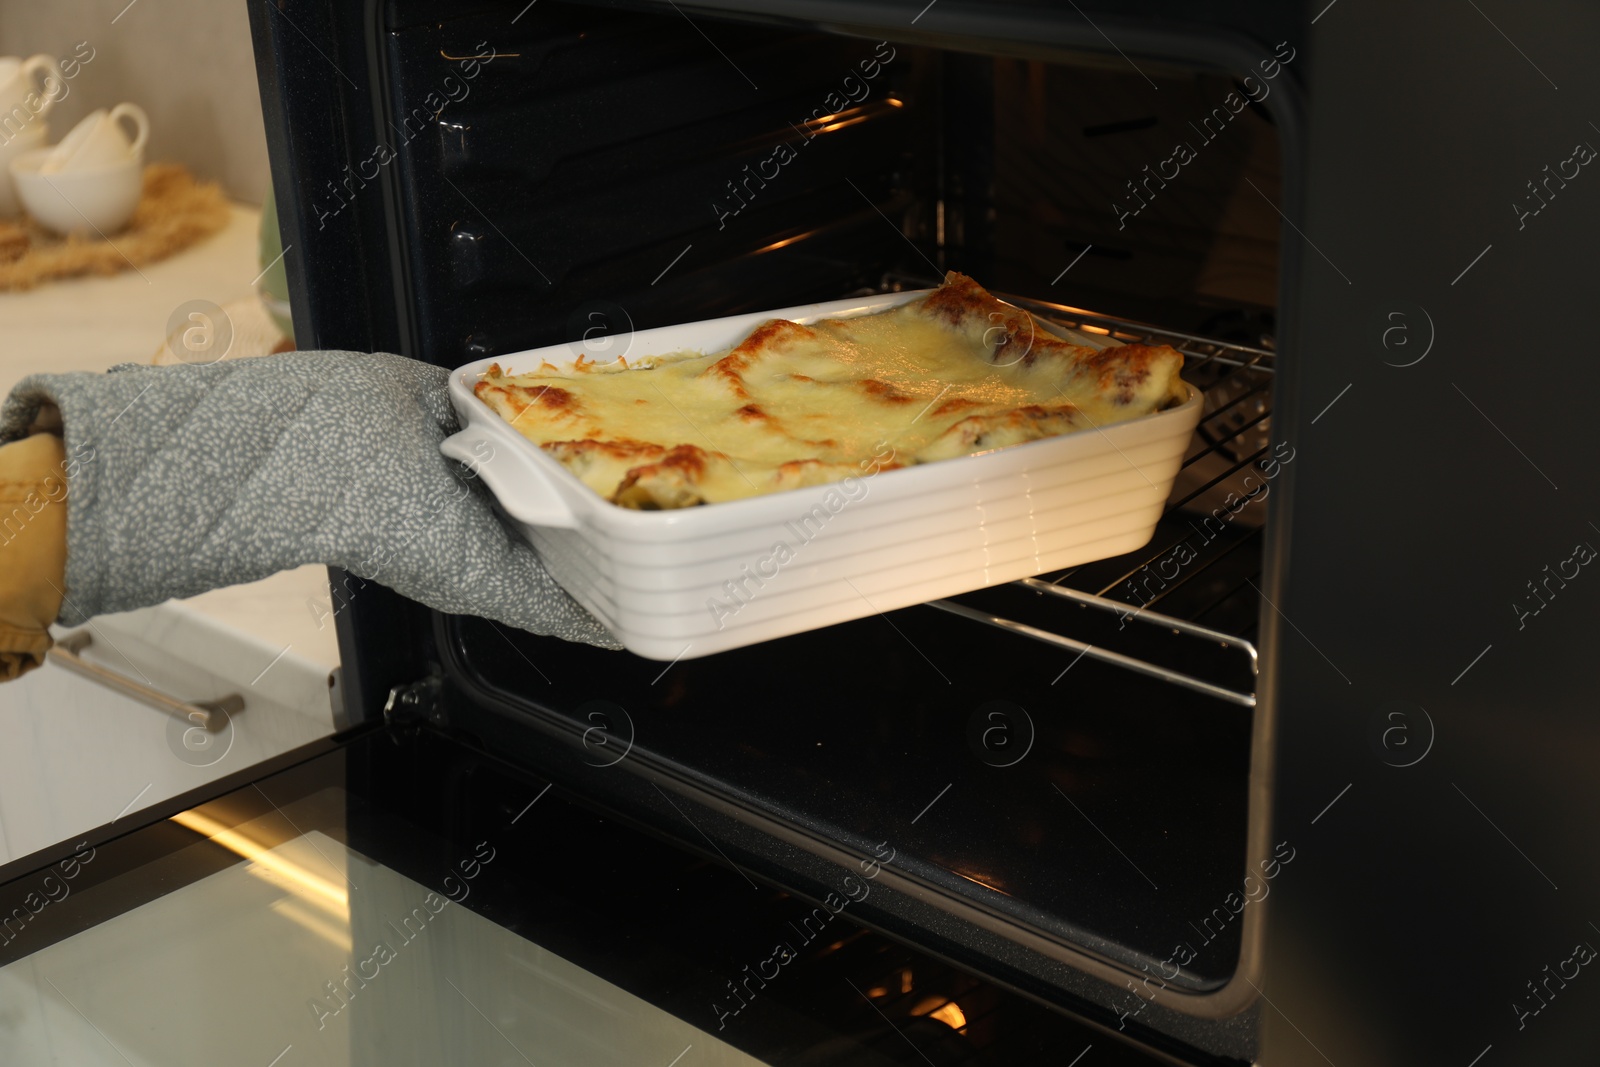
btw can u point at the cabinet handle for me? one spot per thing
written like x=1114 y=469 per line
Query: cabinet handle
x=209 y=715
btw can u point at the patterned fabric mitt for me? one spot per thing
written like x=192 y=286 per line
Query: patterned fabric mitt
x=188 y=478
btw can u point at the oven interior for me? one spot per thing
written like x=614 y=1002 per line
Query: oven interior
x=1068 y=756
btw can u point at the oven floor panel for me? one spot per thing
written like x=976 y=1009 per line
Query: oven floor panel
x=1103 y=808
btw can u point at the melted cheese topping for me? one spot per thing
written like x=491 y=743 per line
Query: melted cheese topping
x=945 y=375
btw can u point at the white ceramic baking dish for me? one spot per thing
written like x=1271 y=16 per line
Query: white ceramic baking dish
x=685 y=583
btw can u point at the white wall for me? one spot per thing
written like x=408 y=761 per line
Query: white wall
x=188 y=63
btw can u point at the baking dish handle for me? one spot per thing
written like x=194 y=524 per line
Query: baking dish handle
x=525 y=492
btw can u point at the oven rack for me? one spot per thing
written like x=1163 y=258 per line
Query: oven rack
x=1233 y=436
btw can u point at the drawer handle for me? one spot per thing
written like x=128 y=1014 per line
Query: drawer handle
x=209 y=715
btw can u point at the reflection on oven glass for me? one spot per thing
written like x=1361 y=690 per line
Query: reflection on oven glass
x=308 y=953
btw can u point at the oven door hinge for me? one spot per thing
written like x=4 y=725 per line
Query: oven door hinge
x=416 y=701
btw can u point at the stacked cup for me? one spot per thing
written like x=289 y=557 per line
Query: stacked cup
x=25 y=99
x=91 y=181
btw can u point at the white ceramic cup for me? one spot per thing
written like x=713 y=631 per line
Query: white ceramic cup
x=95 y=201
x=32 y=137
x=100 y=141
x=20 y=79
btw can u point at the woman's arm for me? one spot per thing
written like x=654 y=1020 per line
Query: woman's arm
x=33 y=548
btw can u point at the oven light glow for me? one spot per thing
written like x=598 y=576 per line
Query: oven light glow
x=982 y=880
x=946 y=1011
x=1086 y=328
x=842 y=123
x=313 y=888
x=843 y=941
x=836 y=121
x=787 y=241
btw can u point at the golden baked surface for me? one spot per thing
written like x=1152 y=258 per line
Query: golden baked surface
x=948 y=374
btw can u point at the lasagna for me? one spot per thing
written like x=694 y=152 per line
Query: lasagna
x=948 y=374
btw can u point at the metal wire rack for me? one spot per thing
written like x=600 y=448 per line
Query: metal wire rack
x=1197 y=576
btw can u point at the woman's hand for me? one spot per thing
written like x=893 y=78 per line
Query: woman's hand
x=186 y=478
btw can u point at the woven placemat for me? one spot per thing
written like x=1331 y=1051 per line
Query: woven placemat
x=174 y=212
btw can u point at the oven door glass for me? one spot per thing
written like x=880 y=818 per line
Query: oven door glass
x=400 y=900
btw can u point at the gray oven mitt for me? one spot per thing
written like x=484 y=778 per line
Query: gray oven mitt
x=187 y=478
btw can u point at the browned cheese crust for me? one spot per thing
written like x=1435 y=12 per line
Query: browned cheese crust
x=945 y=375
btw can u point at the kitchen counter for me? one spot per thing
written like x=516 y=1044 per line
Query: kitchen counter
x=83 y=752
x=94 y=322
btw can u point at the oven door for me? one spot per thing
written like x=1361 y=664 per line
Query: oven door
x=397 y=898
x=1059 y=821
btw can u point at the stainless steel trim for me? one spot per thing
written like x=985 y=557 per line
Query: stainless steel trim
x=209 y=715
x=1155 y=618
x=1191 y=344
x=1139 y=666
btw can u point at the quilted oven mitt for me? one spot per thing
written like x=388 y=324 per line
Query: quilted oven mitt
x=186 y=478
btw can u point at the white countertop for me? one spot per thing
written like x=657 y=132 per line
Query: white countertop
x=95 y=322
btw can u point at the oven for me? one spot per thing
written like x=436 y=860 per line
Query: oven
x=1288 y=785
